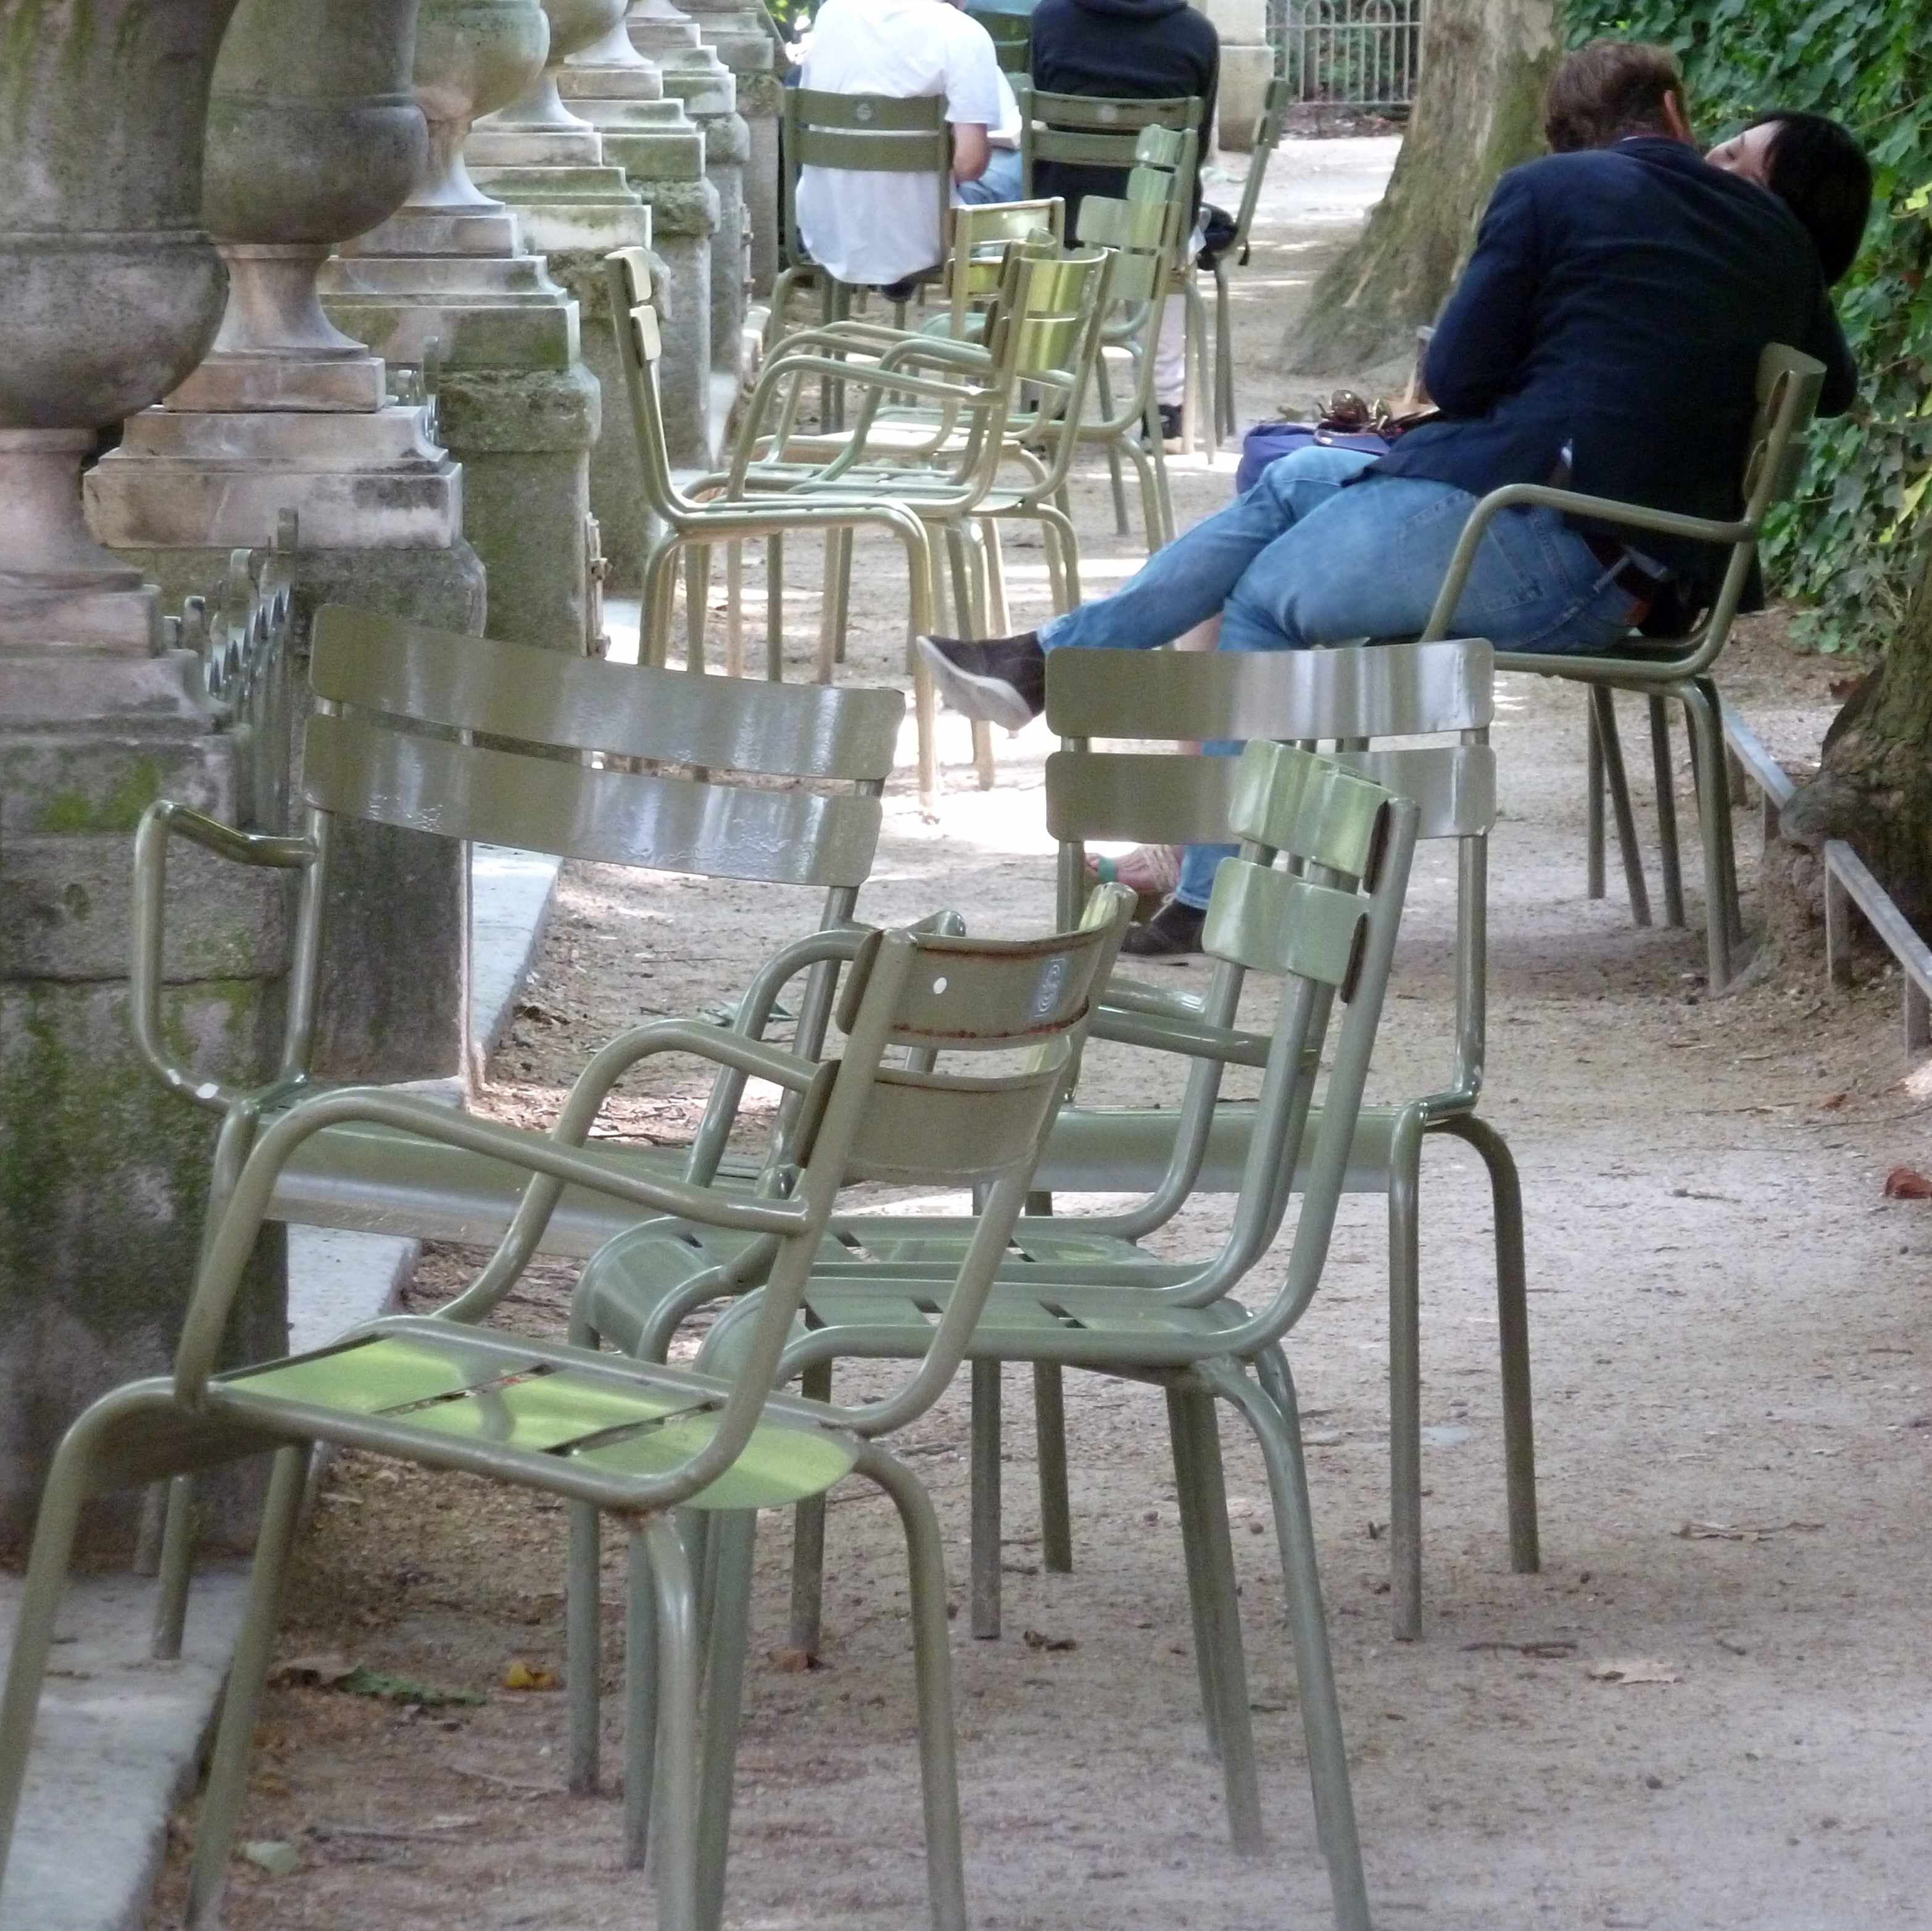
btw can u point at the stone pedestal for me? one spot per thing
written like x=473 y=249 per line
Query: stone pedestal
x=738 y=36
x=662 y=154
x=104 y=1173
x=514 y=403
x=1247 y=65
x=576 y=216
x=692 y=73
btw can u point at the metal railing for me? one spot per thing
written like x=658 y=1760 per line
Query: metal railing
x=1361 y=54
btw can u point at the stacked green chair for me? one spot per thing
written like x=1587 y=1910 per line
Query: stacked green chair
x=688 y=524
x=1012 y=36
x=1327 y=927
x=1275 y=104
x=648 y=1444
x=1661 y=668
x=880 y=134
x=1088 y=130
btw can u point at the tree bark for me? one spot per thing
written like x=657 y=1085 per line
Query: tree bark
x=1477 y=113
x=1874 y=789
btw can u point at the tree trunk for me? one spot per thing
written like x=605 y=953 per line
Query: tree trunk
x=1874 y=787
x=1477 y=113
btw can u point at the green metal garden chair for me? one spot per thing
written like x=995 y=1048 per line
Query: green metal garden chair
x=1661 y=668
x=642 y=1441
x=1012 y=36
x=1090 y=131
x=688 y=524
x=1275 y=104
x=1174 y=1324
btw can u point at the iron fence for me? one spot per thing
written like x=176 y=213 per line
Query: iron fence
x=1362 y=54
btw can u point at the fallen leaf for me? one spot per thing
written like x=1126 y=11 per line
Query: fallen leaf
x=1832 y=1102
x=792 y=1662
x=404 y=1689
x=1549 y=1649
x=1633 y=1669
x=1907 y=1183
x=1739 y=1532
x=272 y=1855
x=326 y=1671
x=521 y=1675
x=1038 y=1639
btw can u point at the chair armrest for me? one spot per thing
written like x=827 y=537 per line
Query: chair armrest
x=1597 y=508
x=1195 y=1038
x=162 y=820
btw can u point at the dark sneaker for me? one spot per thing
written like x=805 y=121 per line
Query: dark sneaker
x=1003 y=680
x=1173 y=933
x=1170 y=428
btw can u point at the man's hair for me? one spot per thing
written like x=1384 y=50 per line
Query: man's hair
x=1607 y=90
x=1821 y=174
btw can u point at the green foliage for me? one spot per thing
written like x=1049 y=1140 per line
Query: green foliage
x=1852 y=543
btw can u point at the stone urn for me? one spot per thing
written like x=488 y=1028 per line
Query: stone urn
x=113 y=288
x=574 y=26
x=314 y=136
x=473 y=57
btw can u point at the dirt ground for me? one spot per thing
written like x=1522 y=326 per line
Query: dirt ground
x=1734 y=1422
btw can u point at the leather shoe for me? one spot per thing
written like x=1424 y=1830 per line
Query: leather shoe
x=1173 y=933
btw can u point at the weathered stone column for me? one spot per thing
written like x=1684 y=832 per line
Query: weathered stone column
x=693 y=74
x=112 y=295
x=1247 y=65
x=313 y=137
x=662 y=154
x=574 y=211
x=514 y=403
x=744 y=45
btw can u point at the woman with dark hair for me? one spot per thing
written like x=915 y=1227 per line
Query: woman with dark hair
x=1815 y=168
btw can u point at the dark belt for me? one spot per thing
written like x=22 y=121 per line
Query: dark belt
x=1626 y=572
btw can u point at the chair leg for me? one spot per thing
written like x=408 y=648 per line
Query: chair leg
x=696 y=600
x=1620 y=803
x=655 y=613
x=180 y=1525
x=674 y=1861
x=1593 y=799
x=727 y=1632
x=734 y=609
x=1049 y=1427
x=1513 y=1337
x=1727 y=851
x=1669 y=857
x=1150 y=510
x=583 y=1647
x=1277 y=1429
x=807 y=1539
x=1218 y=1614
x=845 y=602
x=1103 y=395
x=241 y=1701
x=1194 y=1560
x=775 y=609
x=643 y=1662
x=68 y=1485
x=1405 y=1380
x=1713 y=818
x=932 y=1666
x=1056 y=524
x=985 y=1456
x=1224 y=355
x=832 y=601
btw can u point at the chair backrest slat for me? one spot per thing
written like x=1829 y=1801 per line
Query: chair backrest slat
x=551 y=698
x=866 y=133
x=355 y=766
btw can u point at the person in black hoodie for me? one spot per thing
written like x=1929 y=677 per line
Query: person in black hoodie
x=1127 y=50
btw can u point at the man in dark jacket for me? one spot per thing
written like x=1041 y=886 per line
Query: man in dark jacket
x=1120 y=50
x=1606 y=334
x=1129 y=50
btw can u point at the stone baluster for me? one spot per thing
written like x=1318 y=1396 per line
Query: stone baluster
x=661 y=152
x=113 y=294
x=314 y=137
x=745 y=45
x=575 y=206
x=514 y=403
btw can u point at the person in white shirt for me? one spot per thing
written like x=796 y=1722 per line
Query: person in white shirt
x=876 y=229
x=1002 y=181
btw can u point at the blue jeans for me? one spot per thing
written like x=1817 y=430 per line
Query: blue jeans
x=1000 y=182
x=1299 y=560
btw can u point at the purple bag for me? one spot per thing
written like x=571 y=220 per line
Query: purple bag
x=1266 y=441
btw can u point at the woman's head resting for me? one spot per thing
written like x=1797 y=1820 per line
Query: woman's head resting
x=1815 y=168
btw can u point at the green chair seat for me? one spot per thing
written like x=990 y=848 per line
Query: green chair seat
x=477 y=1400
